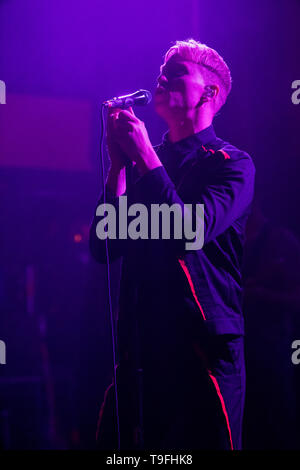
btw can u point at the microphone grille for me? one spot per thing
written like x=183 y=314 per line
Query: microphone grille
x=147 y=95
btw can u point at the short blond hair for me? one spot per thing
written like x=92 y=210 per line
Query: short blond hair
x=214 y=68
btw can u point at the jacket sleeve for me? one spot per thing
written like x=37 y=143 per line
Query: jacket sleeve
x=96 y=245
x=226 y=195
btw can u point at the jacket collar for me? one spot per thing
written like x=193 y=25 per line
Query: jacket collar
x=191 y=142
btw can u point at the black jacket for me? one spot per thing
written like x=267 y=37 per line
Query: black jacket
x=199 y=169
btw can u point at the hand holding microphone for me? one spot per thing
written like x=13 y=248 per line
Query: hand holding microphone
x=118 y=157
x=127 y=136
x=115 y=105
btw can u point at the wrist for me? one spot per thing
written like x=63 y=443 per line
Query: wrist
x=116 y=181
x=148 y=162
x=116 y=170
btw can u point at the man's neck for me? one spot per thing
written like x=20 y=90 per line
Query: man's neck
x=180 y=129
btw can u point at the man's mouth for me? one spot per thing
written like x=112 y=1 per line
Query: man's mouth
x=160 y=90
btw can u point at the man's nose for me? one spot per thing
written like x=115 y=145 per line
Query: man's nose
x=162 y=81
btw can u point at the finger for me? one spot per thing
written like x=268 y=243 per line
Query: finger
x=112 y=110
x=112 y=119
x=126 y=115
x=113 y=114
x=130 y=109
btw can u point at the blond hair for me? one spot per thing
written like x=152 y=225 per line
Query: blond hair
x=213 y=67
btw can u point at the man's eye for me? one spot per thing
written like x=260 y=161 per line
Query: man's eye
x=173 y=75
x=177 y=73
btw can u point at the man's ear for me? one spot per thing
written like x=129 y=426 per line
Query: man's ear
x=210 y=91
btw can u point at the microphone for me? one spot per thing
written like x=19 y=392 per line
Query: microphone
x=140 y=97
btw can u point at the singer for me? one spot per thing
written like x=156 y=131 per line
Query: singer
x=180 y=367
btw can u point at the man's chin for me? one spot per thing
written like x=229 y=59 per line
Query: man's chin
x=161 y=109
x=164 y=109
x=161 y=101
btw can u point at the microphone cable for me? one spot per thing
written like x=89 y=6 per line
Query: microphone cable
x=109 y=279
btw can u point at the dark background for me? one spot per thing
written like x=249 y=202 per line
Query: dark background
x=64 y=58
